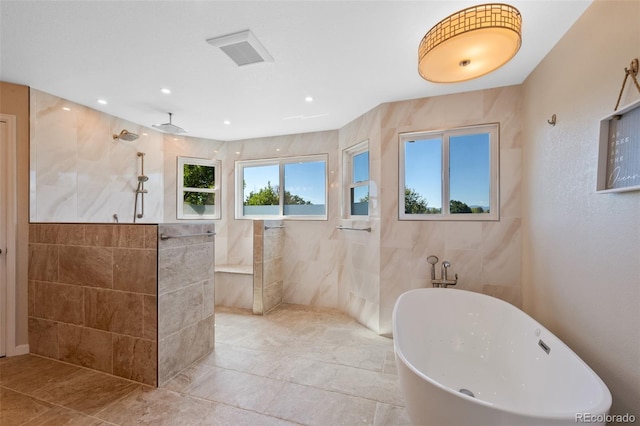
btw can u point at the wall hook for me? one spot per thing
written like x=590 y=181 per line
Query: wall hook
x=633 y=67
x=553 y=120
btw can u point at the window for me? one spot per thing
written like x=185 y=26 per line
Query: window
x=449 y=175
x=356 y=172
x=198 y=188
x=293 y=187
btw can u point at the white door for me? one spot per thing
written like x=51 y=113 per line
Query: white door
x=4 y=144
x=7 y=233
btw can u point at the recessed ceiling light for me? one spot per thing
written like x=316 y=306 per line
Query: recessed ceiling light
x=308 y=99
x=144 y=134
x=237 y=152
x=66 y=108
x=227 y=122
x=102 y=102
x=165 y=90
x=278 y=149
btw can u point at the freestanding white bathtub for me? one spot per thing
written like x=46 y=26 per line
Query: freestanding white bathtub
x=448 y=340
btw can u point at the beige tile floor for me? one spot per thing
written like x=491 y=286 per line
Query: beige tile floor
x=297 y=365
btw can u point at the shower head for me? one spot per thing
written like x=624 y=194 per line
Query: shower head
x=125 y=135
x=169 y=127
x=143 y=178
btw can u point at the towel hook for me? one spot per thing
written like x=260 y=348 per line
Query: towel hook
x=553 y=120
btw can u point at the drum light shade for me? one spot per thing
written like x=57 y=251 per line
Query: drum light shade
x=470 y=43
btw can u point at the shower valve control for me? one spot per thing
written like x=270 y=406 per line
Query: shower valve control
x=444 y=280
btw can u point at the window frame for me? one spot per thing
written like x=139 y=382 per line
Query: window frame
x=216 y=190
x=280 y=162
x=493 y=129
x=348 y=156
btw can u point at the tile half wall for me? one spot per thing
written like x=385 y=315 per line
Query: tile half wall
x=93 y=297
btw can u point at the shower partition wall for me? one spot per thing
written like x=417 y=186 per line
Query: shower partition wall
x=268 y=240
x=258 y=286
x=185 y=296
x=121 y=299
x=93 y=296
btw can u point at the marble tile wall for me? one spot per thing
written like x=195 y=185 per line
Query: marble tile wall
x=185 y=297
x=79 y=173
x=311 y=249
x=359 y=277
x=486 y=255
x=234 y=286
x=268 y=243
x=92 y=297
x=184 y=146
x=381 y=265
x=258 y=267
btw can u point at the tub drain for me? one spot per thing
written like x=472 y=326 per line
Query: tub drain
x=467 y=392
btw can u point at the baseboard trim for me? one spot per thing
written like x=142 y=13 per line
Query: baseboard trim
x=18 y=350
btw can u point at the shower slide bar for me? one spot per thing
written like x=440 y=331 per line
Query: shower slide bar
x=206 y=234
x=353 y=229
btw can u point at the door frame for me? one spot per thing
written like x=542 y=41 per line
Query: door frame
x=9 y=251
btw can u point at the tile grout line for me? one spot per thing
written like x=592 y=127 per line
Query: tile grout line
x=52 y=406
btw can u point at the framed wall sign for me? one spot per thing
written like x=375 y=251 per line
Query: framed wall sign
x=619 y=154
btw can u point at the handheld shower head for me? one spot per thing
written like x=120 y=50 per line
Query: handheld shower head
x=143 y=178
x=125 y=135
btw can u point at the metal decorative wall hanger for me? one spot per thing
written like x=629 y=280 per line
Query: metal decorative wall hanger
x=633 y=72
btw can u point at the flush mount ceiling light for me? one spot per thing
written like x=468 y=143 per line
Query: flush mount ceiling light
x=470 y=43
x=243 y=48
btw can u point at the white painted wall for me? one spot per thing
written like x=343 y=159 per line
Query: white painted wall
x=581 y=250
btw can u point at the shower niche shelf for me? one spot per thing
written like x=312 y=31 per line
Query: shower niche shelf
x=619 y=151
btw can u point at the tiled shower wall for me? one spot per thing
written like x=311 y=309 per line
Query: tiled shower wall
x=486 y=255
x=268 y=242
x=185 y=296
x=92 y=297
x=80 y=174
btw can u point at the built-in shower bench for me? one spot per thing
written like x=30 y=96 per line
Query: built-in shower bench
x=235 y=269
x=234 y=286
x=257 y=286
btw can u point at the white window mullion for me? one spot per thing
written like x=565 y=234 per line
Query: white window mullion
x=446 y=168
x=281 y=190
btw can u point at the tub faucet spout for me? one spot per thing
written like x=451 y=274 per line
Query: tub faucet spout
x=443 y=270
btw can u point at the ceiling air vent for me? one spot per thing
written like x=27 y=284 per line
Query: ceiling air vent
x=243 y=48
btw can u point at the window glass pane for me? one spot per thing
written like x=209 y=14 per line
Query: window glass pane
x=305 y=188
x=197 y=176
x=361 y=167
x=423 y=176
x=360 y=200
x=198 y=203
x=261 y=190
x=469 y=173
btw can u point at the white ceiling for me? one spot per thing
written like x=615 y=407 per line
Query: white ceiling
x=350 y=56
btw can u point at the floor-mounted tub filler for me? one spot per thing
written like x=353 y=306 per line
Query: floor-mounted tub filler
x=465 y=358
